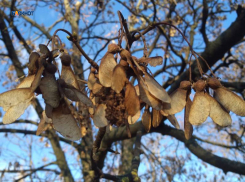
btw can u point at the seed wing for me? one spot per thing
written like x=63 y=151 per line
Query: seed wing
x=26 y=83
x=14 y=97
x=173 y=121
x=16 y=111
x=107 y=65
x=133 y=119
x=156 y=90
x=230 y=101
x=99 y=116
x=146 y=120
x=217 y=113
x=156 y=118
x=69 y=77
x=131 y=102
x=118 y=78
x=200 y=109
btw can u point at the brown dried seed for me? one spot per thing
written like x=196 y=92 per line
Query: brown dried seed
x=91 y=80
x=65 y=59
x=156 y=118
x=131 y=102
x=217 y=113
x=186 y=85
x=107 y=65
x=37 y=79
x=51 y=68
x=230 y=101
x=97 y=88
x=113 y=48
x=199 y=85
x=187 y=125
x=213 y=83
x=156 y=90
x=200 y=109
x=48 y=111
x=146 y=120
x=99 y=116
x=43 y=49
x=119 y=78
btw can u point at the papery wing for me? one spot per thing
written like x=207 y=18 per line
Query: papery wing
x=187 y=125
x=99 y=116
x=131 y=102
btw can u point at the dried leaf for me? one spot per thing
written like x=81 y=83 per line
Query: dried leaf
x=217 y=113
x=156 y=118
x=133 y=119
x=107 y=65
x=146 y=120
x=99 y=116
x=14 y=97
x=49 y=89
x=177 y=104
x=65 y=124
x=119 y=78
x=156 y=90
x=173 y=121
x=187 y=125
x=69 y=77
x=16 y=111
x=148 y=98
x=230 y=101
x=153 y=61
x=200 y=109
x=26 y=83
x=131 y=102
x=43 y=49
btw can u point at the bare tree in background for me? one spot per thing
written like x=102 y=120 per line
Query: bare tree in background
x=162 y=153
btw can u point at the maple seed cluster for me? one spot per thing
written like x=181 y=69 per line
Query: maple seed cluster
x=58 y=94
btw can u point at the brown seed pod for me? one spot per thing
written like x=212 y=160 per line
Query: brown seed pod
x=187 y=125
x=123 y=63
x=173 y=121
x=119 y=78
x=156 y=118
x=156 y=90
x=44 y=49
x=65 y=59
x=26 y=83
x=199 y=85
x=37 y=79
x=217 y=113
x=186 y=85
x=131 y=102
x=16 y=111
x=146 y=120
x=99 y=116
x=51 y=68
x=213 y=83
x=230 y=101
x=33 y=59
x=113 y=48
x=200 y=109
x=49 y=89
x=65 y=123
x=107 y=65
